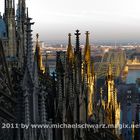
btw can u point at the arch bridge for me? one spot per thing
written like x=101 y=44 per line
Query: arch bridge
x=115 y=57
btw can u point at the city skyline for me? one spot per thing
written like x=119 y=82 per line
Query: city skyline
x=109 y=21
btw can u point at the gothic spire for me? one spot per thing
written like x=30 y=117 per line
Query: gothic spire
x=69 y=49
x=29 y=45
x=77 y=40
x=77 y=52
x=38 y=53
x=87 y=49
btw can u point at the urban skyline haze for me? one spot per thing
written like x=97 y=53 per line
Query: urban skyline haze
x=107 y=21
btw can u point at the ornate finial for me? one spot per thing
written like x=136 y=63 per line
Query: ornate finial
x=77 y=40
x=87 y=38
x=37 y=39
x=69 y=43
x=37 y=36
x=77 y=33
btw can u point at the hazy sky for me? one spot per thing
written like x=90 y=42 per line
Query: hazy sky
x=105 y=19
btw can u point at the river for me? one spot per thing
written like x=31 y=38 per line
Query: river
x=132 y=76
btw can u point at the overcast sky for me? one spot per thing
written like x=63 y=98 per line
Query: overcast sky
x=107 y=20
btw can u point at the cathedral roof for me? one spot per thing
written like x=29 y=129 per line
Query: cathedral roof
x=3 y=33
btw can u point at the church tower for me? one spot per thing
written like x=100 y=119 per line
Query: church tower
x=9 y=18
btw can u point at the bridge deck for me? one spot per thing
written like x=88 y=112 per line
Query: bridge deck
x=117 y=59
